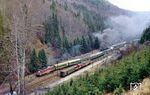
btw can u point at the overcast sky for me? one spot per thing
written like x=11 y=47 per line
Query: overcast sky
x=133 y=5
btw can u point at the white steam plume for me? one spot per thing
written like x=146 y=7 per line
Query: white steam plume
x=123 y=28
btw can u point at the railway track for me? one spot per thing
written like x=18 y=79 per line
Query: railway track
x=41 y=81
x=33 y=83
x=33 y=86
x=60 y=80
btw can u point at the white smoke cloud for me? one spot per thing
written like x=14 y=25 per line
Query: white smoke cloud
x=124 y=28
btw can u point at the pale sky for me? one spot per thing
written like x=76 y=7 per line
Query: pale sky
x=133 y=5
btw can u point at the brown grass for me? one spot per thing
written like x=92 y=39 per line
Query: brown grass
x=145 y=88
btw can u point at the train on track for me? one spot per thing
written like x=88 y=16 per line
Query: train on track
x=75 y=62
x=59 y=66
x=78 y=63
x=70 y=70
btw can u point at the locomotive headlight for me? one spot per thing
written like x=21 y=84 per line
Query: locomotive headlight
x=111 y=47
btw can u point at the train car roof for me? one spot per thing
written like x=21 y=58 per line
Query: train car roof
x=118 y=44
x=110 y=48
x=69 y=61
x=136 y=40
x=74 y=60
x=45 y=68
x=64 y=70
x=95 y=54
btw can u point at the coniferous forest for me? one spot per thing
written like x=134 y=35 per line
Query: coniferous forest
x=146 y=35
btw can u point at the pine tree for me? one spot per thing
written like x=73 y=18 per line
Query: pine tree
x=51 y=26
x=33 y=66
x=91 y=43
x=78 y=41
x=58 y=41
x=74 y=42
x=70 y=45
x=42 y=59
x=96 y=43
x=65 y=44
x=84 y=46
x=146 y=35
x=48 y=29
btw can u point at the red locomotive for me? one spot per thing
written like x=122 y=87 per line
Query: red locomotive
x=44 y=71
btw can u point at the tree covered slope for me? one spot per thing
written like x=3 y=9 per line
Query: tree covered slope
x=116 y=78
x=58 y=26
x=146 y=35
